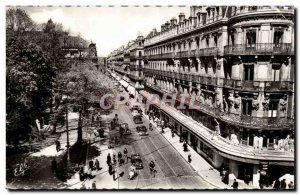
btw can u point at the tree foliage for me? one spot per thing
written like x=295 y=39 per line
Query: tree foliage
x=29 y=77
x=18 y=20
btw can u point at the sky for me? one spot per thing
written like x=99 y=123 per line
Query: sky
x=108 y=27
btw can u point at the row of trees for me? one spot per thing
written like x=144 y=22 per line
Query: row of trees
x=37 y=77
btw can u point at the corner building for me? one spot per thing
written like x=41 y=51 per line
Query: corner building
x=238 y=64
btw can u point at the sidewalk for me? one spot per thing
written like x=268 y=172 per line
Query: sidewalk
x=200 y=165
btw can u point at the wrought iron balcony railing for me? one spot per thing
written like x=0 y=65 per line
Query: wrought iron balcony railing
x=259 y=49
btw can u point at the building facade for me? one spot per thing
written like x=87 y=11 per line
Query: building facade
x=128 y=62
x=237 y=65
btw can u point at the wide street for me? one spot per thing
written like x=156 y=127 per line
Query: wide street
x=173 y=172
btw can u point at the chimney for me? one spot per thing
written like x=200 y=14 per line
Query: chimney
x=167 y=25
x=173 y=21
x=162 y=28
x=181 y=17
x=193 y=11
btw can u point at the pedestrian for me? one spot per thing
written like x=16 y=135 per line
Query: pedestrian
x=152 y=166
x=57 y=146
x=119 y=157
x=235 y=184
x=91 y=165
x=97 y=165
x=53 y=165
x=94 y=185
x=185 y=148
x=276 y=184
x=81 y=174
x=108 y=159
x=125 y=154
x=112 y=125
x=226 y=178
x=114 y=159
x=283 y=184
x=291 y=185
x=189 y=158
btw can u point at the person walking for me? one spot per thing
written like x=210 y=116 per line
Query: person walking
x=291 y=185
x=152 y=166
x=108 y=159
x=283 y=184
x=91 y=165
x=125 y=154
x=119 y=158
x=185 y=148
x=235 y=185
x=97 y=165
x=57 y=146
x=114 y=159
x=276 y=184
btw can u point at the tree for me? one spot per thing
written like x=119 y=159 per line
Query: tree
x=18 y=20
x=83 y=83
x=29 y=79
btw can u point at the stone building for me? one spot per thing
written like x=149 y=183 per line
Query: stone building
x=128 y=62
x=237 y=65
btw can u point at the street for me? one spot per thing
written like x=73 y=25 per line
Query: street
x=173 y=172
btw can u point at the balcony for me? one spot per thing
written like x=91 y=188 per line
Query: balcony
x=257 y=122
x=254 y=85
x=212 y=51
x=160 y=56
x=241 y=120
x=259 y=49
x=279 y=85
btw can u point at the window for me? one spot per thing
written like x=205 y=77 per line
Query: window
x=216 y=40
x=278 y=34
x=198 y=42
x=232 y=38
x=247 y=107
x=140 y=43
x=273 y=106
x=251 y=38
x=248 y=72
x=275 y=72
x=207 y=42
x=140 y=54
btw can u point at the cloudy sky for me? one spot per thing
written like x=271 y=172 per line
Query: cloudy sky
x=108 y=27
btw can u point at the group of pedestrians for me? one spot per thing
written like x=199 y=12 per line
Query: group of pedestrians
x=86 y=171
x=282 y=184
x=112 y=161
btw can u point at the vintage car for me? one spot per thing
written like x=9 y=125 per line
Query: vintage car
x=136 y=160
x=142 y=130
x=138 y=119
x=124 y=130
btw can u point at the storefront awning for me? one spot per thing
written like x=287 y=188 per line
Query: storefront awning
x=124 y=83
